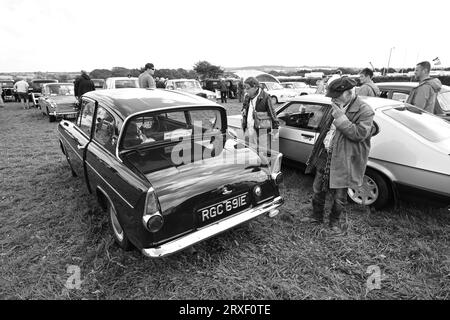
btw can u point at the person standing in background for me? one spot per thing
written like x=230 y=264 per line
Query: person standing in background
x=368 y=88
x=146 y=78
x=83 y=84
x=21 y=88
x=424 y=95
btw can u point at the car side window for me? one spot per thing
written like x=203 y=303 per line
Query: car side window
x=104 y=129
x=384 y=94
x=86 y=115
x=302 y=115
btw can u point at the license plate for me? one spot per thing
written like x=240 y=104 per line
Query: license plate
x=70 y=116
x=224 y=208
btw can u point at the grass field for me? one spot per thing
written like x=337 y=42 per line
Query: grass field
x=48 y=222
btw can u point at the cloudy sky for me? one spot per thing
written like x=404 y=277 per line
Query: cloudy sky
x=63 y=35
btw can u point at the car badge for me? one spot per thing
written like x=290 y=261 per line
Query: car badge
x=226 y=191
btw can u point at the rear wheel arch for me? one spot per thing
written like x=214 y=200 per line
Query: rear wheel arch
x=102 y=198
x=117 y=230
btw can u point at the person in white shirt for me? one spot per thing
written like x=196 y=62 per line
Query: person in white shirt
x=21 y=88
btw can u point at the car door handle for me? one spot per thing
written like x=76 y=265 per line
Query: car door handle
x=307 y=136
x=81 y=147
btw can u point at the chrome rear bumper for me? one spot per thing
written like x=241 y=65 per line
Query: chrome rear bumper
x=211 y=230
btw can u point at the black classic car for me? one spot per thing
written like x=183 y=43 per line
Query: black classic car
x=164 y=167
x=7 y=87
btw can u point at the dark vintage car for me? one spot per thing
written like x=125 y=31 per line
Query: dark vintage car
x=164 y=167
x=35 y=89
x=400 y=91
x=7 y=90
x=57 y=100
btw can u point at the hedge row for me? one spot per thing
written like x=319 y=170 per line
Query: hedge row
x=312 y=81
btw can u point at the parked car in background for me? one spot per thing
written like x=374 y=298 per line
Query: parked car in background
x=7 y=90
x=400 y=91
x=409 y=156
x=190 y=86
x=57 y=100
x=165 y=169
x=214 y=86
x=35 y=89
x=300 y=87
x=98 y=83
x=121 y=82
x=277 y=92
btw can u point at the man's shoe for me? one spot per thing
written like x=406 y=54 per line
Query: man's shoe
x=311 y=220
x=335 y=228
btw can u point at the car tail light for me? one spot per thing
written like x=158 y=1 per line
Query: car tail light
x=152 y=218
x=276 y=174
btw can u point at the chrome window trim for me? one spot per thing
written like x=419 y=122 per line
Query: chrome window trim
x=119 y=140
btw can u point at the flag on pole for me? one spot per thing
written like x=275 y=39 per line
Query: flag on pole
x=436 y=61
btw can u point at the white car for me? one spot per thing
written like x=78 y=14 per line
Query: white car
x=121 y=82
x=191 y=86
x=277 y=92
x=300 y=87
x=409 y=155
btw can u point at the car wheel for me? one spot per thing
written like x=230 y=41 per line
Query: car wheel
x=118 y=233
x=374 y=191
x=274 y=100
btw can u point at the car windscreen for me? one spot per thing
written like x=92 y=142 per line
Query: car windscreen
x=98 y=83
x=6 y=84
x=423 y=123
x=169 y=126
x=61 y=89
x=274 y=86
x=127 y=83
x=300 y=85
x=187 y=85
x=444 y=100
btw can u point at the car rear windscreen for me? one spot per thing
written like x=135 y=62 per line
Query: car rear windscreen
x=444 y=100
x=427 y=125
x=171 y=126
x=126 y=84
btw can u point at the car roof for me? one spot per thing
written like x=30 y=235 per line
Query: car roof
x=43 y=80
x=128 y=101
x=183 y=80
x=374 y=102
x=57 y=83
x=121 y=78
x=405 y=85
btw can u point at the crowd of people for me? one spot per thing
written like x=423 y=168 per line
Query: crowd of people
x=346 y=134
